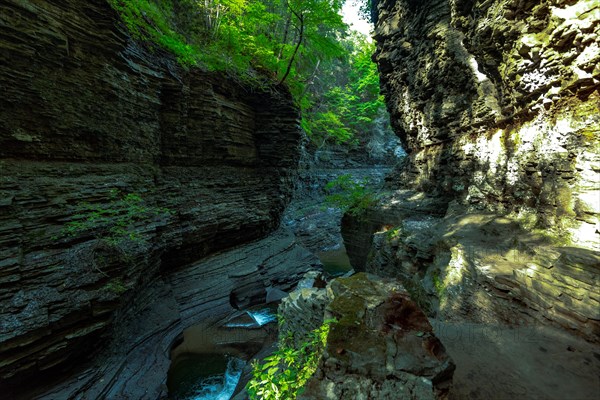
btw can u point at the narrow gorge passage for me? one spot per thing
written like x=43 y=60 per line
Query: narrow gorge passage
x=250 y=199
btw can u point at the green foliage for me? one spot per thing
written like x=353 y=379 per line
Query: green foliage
x=116 y=286
x=393 y=233
x=113 y=221
x=302 y=43
x=350 y=195
x=283 y=374
x=277 y=37
x=366 y=9
x=352 y=96
x=324 y=126
x=149 y=21
x=438 y=284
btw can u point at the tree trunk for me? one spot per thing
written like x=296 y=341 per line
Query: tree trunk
x=300 y=38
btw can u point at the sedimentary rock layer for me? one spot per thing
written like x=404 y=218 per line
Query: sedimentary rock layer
x=135 y=363
x=87 y=116
x=497 y=103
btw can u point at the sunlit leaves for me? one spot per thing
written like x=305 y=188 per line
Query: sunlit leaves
x=351 y=94
x=282 y=375
x=350 y=195
x=301 y=43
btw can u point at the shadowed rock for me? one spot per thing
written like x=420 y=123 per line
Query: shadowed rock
x=382 y=347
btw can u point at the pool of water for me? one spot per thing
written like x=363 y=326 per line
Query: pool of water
x=204 y=377
x=208 y=362
x=335 y=261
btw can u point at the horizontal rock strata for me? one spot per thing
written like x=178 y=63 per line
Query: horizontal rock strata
x=497 y=103
x=87 y=118
x=135 y=362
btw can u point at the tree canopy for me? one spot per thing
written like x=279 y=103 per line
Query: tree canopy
x=303 y=44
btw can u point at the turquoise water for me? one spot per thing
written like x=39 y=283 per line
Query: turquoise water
x=255 y=317
x=263 y=316
x=204 y=377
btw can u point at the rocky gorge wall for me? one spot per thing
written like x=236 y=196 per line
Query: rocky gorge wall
x=497 y=103
x=494 y=215
x=85 y=113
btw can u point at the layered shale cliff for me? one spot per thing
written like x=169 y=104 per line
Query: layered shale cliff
x=497 y=103
x=493 y=220
x=86 y=114
x=494 y=216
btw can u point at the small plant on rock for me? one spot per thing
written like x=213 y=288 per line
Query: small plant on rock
x=113 y=221
x=116 y=286
x=283 y=374
x=393 y=233
x=438 y=284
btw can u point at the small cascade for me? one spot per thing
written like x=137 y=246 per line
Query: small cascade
x=262 y=317
x=253 y=319
x=220 y=387
x=208 y=362
x=207 y=377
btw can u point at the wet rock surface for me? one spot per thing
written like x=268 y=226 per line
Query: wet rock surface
x=135 y=362
x=87 y=112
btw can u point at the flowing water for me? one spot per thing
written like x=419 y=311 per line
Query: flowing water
x=254 y=318
x=263 y=316
x=208 y=364
x=204 y=377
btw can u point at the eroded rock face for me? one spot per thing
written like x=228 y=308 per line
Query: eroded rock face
x=85 y=111
x=382 y=346
x=497 y=104
x=135 y=362
x=487 y=268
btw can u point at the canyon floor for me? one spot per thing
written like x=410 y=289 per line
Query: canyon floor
x=526 y=362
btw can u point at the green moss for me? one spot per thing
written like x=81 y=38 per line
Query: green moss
x=438 y=284
x=563 y=201
x=116 y=286
x=114 y=220
x=149 y=21
x=589 y=135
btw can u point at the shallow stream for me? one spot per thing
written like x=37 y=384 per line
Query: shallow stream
x=208 y=363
